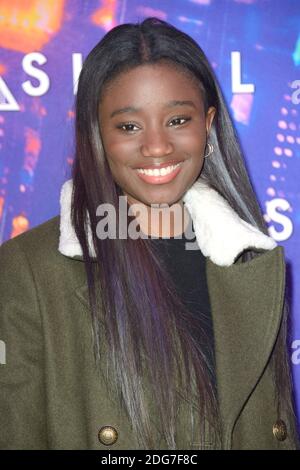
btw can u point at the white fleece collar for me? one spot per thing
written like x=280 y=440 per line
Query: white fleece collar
x=221 y=234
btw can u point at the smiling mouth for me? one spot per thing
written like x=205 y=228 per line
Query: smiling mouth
x=158 y=171
x=159 y=175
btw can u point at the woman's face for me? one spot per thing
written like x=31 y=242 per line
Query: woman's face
x=153 y=127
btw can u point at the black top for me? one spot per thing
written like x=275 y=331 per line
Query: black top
x=188 y=271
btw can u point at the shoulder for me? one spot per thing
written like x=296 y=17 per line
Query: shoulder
x=46 y=232
x=38 y=244
x=34 y=256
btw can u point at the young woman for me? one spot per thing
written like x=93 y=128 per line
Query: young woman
x=172 y=335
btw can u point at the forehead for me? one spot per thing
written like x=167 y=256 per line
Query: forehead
x=145 y=83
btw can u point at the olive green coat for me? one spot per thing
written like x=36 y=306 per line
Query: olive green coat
x=51 y=396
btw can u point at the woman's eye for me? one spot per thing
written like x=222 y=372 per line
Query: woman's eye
x=177 y=120
x=127 y=127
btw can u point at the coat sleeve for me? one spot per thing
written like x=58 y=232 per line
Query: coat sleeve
x=22 y=392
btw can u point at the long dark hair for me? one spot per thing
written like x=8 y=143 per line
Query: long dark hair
x=154 y=357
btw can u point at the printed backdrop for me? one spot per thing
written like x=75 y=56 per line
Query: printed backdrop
x=254 y=47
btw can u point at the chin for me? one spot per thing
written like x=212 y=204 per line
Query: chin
x=163 y=200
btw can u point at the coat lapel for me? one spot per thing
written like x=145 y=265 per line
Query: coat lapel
x=246 y=305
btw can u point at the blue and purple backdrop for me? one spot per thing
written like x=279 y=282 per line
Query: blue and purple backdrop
x=254 y=48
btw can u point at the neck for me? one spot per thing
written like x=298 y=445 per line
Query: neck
x=161 y=220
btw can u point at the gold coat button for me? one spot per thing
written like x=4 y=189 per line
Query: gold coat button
x=279 y=430
x=108 y=435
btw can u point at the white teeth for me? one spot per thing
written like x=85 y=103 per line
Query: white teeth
x=158 y=172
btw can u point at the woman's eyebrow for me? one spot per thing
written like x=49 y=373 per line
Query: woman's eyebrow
x=170 y=104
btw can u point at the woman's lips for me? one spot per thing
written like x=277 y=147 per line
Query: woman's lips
x=160 y=179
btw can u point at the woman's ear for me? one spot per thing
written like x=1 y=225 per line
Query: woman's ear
x=209 y=118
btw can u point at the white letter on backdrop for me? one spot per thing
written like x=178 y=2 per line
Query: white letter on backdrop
x=40 y=75
x=236 y=75
x=7 y=100
x=77 y=66
x=279 y=218
x=296 y=94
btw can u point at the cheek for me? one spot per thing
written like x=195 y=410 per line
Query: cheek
x=115 y=159
x=118 y=153
x=118 y=156
x=194 y=149
x=192 y=142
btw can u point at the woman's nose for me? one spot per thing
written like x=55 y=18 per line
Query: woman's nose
x=156 y=144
